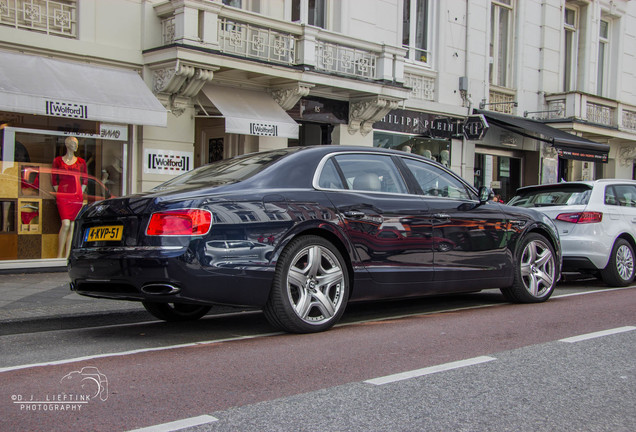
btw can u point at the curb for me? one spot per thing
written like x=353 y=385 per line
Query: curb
x=72 y=321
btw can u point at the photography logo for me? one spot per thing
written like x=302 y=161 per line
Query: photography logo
x=78 y=389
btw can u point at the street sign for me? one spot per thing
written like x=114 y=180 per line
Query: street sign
x=475 y=127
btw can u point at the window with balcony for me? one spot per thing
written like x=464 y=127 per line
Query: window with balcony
x=603 y=54
x=570 y=49
x=312 y=12
x=416 y=30
x=250 y=5
x=501 y=37
x=57 y=18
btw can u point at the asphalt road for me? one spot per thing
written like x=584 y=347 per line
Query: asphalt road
x=473 y=363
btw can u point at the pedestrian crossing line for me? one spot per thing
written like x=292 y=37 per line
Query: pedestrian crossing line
x=179 y=424
x=429 y=370
x=597 y=334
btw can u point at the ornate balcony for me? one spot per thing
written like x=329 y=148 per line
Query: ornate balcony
x=592 y=109
x=57 y=18
x=252 y=36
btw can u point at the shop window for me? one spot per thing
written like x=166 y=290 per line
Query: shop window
x=500 y=173
x=417 y=29
x=38 y=192
x=435 y=149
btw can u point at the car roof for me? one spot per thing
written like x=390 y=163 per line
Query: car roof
x=588 y=183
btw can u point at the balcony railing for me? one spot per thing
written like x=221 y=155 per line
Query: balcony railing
x=57 y=18
x=253 y=36
x=501 y=100
x=592 y=109
x=423 y=86
x=250 y=41
x=340 y=59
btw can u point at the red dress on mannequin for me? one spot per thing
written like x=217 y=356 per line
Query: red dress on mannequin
x=69 y=195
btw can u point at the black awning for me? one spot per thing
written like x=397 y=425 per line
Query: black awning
x=568 y=146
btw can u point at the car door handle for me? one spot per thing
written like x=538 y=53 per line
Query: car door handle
x=355 y=214
x=441 y=216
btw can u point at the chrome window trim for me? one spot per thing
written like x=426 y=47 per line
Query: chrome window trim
x=323 y=161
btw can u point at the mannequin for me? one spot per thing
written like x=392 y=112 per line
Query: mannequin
x=69 y=197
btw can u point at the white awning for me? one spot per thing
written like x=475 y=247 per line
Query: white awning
x=32 y=84
x=249 y=112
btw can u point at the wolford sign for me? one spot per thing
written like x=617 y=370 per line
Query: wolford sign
x=167 y=161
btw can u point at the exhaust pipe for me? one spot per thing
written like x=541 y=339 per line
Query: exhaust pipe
x=160 y=289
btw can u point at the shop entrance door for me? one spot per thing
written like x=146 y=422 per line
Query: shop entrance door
x=501 y=172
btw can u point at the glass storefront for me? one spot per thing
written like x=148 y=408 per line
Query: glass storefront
x=501 y=173
x=435 y=149
x=47 y=176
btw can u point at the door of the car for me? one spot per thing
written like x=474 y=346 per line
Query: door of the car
x=469 y=238
x=623 y=198
x=388 y=225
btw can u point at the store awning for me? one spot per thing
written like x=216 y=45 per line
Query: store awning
x=32 y=84
x=568 y=146
x=249 y=112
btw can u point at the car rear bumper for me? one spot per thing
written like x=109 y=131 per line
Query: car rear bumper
x=171 y=278
x=584 y=252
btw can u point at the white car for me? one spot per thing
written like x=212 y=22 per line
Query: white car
x=596 y=222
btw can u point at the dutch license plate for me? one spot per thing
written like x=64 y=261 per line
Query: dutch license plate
x=104 y=233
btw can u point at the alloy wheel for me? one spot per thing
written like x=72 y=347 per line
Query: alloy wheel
x=624 y=262
x=315 y=284
x=537 y=268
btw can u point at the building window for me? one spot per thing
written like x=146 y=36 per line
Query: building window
x=603 y=54
x=416 y=30
x=570 y=49
x=250 y=5
x=500 y=42
x=312 y=12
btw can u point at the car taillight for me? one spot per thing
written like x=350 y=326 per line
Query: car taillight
x=581 y=217
x=186 y=222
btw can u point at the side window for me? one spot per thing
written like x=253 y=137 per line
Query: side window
x=436 y=182
x=625 y=195
x=329 y=178
x=610 y=196
x=370 y=172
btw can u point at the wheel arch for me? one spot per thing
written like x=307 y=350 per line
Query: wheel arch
x=334 y=239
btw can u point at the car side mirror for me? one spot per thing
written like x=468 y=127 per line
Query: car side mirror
x=485 y=194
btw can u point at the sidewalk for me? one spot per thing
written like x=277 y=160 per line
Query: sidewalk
x=46 y=298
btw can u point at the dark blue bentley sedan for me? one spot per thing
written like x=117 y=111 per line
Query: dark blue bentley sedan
x=300 y=232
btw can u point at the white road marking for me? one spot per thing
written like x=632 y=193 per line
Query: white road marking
x=178 y=425
x=124 y=353
x=598 y=334
x=137 y=351
x=429 y=370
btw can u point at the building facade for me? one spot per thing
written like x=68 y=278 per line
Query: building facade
x=153 y=88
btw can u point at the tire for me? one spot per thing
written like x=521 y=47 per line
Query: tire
x=175 y=312
x=620 y=268
x=310 y=288
x=535 y=271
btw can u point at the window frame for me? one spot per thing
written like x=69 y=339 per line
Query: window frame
x=570 y=49
x=603 y=54
x=411 y=7
x=500 y=65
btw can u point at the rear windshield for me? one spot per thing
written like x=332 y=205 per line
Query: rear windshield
x=552 y=196
x=228 y=170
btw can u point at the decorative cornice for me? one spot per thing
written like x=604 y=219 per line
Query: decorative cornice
x=549 y=151
x=626 y=155
x=363 y=113
x=179 y=82
x=288 y=96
